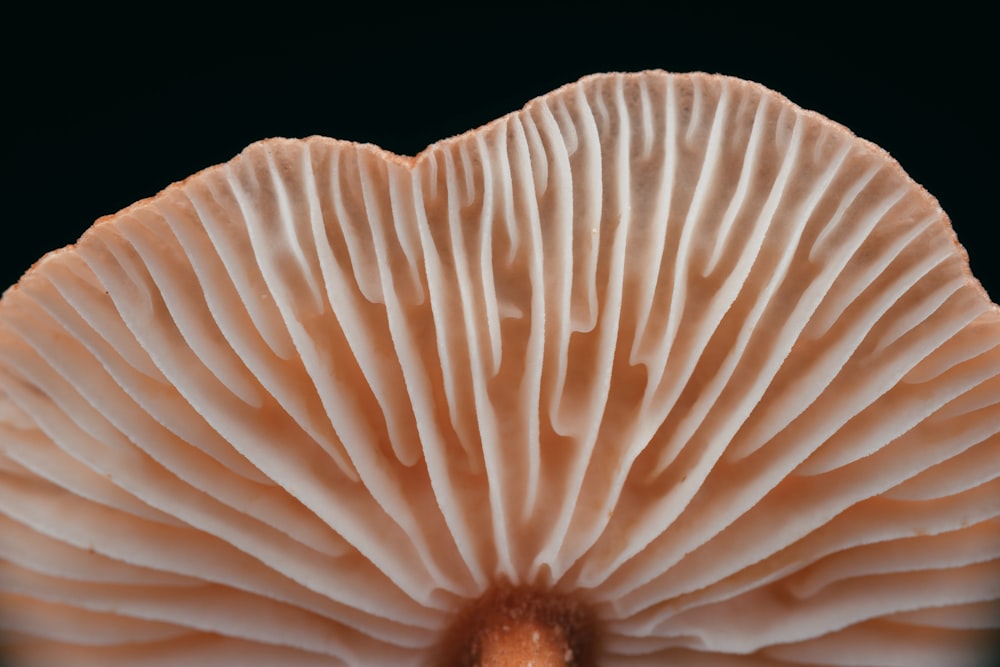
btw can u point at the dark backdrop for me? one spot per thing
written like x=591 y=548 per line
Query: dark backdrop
x=98 y=117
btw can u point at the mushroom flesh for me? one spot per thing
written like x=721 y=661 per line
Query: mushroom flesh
x=661 y=369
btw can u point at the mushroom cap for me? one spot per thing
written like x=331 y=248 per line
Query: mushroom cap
x=666 y=344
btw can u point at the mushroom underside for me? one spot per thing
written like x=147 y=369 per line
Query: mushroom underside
x=697 y=364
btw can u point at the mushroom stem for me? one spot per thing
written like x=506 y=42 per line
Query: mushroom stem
x=516 y=642
x=511 y=627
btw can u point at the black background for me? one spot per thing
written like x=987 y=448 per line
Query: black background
x=101 y=110
x=105 y=110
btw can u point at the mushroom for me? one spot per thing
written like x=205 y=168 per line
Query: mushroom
x=661 y=369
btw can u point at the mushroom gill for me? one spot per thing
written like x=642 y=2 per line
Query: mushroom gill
x=661 y=369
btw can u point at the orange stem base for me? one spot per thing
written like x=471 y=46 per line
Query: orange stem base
x=516 y=627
